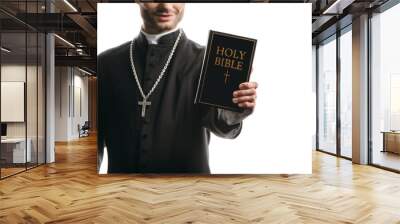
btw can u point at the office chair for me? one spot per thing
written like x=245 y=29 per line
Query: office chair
x=84 y=130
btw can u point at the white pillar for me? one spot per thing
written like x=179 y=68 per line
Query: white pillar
x=360 y=90
x=50 y=92
x=50 y=110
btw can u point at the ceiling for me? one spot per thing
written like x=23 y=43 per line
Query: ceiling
x=76 y=22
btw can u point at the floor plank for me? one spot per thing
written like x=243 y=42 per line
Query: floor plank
x=70 y=191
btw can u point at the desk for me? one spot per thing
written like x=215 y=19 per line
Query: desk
x=391 y=141
x=13 y=150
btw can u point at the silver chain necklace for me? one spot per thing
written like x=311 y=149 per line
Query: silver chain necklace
x=144 y=103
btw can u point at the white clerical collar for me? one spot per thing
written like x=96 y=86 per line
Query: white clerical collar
x=153 y=38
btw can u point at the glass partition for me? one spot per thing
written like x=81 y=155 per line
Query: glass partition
x=385 y=89
x=31 y=100
x=327 y=95
x=346 y=93
x=41 y=91
x=22 y=101
x=13 y=109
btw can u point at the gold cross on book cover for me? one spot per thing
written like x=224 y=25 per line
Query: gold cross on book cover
x=227 y=63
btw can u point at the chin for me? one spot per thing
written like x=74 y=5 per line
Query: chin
x=165 y=27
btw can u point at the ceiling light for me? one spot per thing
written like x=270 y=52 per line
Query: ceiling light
x=86 y=72
x=70 y=5
x=5 y=50
x=64 y=40
x=338 y=6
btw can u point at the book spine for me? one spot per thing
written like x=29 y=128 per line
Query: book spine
x=199 y=91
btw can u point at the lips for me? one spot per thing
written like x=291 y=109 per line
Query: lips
x=164 y=17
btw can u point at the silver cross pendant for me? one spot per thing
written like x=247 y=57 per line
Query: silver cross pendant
x=144 y=103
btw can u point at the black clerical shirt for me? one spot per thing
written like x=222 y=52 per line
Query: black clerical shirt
x=175 y=133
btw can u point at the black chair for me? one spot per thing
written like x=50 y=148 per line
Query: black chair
x=84 y=130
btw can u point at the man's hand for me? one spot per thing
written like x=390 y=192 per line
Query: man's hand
x=246 y=96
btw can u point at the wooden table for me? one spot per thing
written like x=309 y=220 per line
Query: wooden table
x=391 y=141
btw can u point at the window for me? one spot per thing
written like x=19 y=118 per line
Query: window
x=327 y=96
x=385 y=89
x=346 y=92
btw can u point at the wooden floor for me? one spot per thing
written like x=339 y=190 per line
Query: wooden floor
x=70 y=191
x=5 y=172
x=387 y=159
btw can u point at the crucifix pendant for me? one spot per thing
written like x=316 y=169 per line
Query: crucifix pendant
x=144 y=103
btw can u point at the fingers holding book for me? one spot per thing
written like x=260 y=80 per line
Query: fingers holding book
x=246 y=96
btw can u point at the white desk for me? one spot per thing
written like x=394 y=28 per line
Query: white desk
x=18 y=149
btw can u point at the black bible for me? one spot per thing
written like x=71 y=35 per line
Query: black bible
x=227 y=63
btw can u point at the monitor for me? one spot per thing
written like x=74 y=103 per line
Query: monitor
x=3 y=129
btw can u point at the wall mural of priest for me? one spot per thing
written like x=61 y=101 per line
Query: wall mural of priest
x=148 y=121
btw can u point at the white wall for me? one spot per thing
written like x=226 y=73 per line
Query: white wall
x=80 y=84
x=69 y=84
x=12 y=73
x=62 y=82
